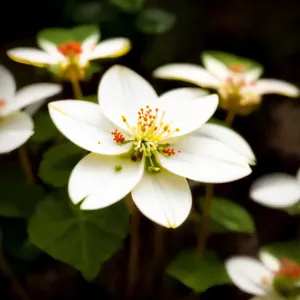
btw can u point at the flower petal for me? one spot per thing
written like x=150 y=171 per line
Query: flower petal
x=15 y=130
x=206 y=160
x=90 y=43
x=187 y=109
x=31 y=94
x=249 y=275
x=52 y=50
x=229 y=138
x=110 y=48
x=216 y=67
x=7 y=86
x=270 y=261
x=273 y=86
x=298 y=175
x=164 y=198
x=83 y=123
x=103 y=180
x=122 y=92
x=189 y=73
x=31 y=56
x=276 y=190
x=253 y=74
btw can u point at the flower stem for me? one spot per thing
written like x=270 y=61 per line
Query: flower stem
x=133 y=251
x=26 y=164
x=7 y=271
x=204 y=229
x=76 y=89
x=230 y=117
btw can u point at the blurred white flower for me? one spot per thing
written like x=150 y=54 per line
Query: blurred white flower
x=16 y=126
x=72 y=56
x=276 y=190
x=147 y=145
x=239 y=90
x=276 y=280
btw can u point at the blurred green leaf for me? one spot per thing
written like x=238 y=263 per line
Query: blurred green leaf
x=294 y=209
x=129 y=6
x=91 y=98
x=62 y=35
x=229 y=216
x=45 y=130
x=198 y=272
x=58 y=162
x=230 y=60
x=290 y=249
x=18 y=197
x=83 y=239
x=91 y=70
x=155 y=21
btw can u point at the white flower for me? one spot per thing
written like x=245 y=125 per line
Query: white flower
x=276 y=190
x=147 y=145
x=71 y=53
x=239 y=90
x=264 y=280
x=16 y=126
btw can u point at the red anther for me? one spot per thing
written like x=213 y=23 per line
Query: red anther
x=2 y=103
x=288 y=268
x=70 y=48
x=169 y=151
x=118 y=136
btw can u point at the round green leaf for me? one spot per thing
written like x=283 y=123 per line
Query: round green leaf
x=155 y=21
x=18 y=197
x=58 y=162
x=198 y=272
x=83 y=239
x=230 y=59
x=229 y=216
x=129 y=6
x=45 y=130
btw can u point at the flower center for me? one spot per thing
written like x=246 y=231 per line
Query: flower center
x=70 y=49
x=287 y=279
x=149 y=137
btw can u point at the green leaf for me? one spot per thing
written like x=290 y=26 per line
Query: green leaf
x=290 y=249
x=198 y=272
x=83 y=239
x=229 y=216
x=155 y=21
x=230 y=59
x=18 y=197
x=92 y=69
x=62 y=35
x=129 y=6
x=45 y=130
x=58 y=162
x=91 y=98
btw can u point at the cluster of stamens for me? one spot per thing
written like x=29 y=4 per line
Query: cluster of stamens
x=118 y=137
x=70 y=48
x=288 y=269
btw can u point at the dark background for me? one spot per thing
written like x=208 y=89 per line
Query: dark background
x=267 y=31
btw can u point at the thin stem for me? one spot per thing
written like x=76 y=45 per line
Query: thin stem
x=26 y=164
x=204 y=229
x=76 y=89
x=7 y=271
x=230 y=117
x=134 y=251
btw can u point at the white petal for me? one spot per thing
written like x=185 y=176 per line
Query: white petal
x=187 y=111
x=249 y=275
x=273 y=86
x=253 y=74
x=276 y=190
x=51 y=49
x=7 y=86
x=164 y=198
x=269 y=260
x=110 y=48
x=188 y=93
x=83 y=123
x=189 y=73
x=15 y=130
x=122 y=92
x=229 y=138
x=96 y=180
x=206 y=160
x=90 y=43
x=216 y=67
x=31 y=94
x=31 y=56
